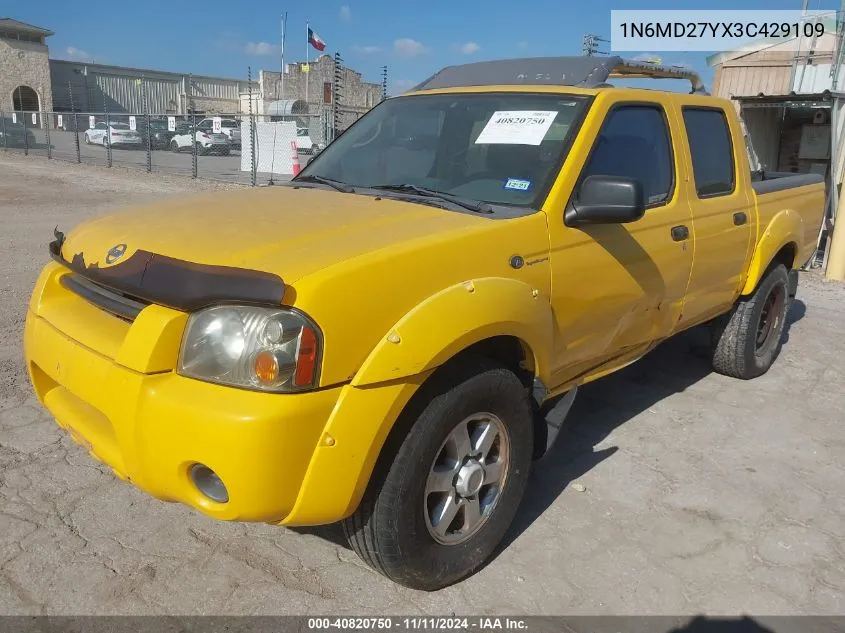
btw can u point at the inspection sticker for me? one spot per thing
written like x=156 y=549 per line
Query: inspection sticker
x=517 y=127
x=517 y=184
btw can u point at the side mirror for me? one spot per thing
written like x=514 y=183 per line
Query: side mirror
x=606 y=200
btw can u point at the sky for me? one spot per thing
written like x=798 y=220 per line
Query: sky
x=414 y=39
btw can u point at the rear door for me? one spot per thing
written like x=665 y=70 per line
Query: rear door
x=616 y=288
x=722 y=208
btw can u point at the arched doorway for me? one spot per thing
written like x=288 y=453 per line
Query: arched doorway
x=25 y=99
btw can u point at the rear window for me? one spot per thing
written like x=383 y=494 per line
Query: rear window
x=229 y=123
x=711 y=150
x=120 y=126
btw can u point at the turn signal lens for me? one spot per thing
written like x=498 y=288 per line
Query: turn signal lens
x=266 y=368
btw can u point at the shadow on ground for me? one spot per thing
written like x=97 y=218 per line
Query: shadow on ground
x=602 y=406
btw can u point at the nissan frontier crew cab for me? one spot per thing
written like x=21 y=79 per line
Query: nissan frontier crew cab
x=390 y=339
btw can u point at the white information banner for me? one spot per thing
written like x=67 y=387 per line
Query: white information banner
x=217 y=125
x=59 y=121
x=132 y=123
x=14 y=118
x=171 y=123
x=517 y=127
x=34 y=119
x=92 y=121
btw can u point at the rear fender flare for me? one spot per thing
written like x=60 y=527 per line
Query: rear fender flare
x=785 y=228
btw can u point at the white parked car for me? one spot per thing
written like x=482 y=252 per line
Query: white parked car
x=230 y=127
x=207 y=142
x=114 y=134
x=304 y=143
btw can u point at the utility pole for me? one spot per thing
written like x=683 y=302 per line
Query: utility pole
x=590 y=45
x=336 y=93
x=383 y=83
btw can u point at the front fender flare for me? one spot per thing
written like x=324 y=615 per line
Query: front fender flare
x=786 y=227
x=455 y=318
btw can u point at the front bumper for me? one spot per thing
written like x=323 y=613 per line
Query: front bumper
x=119 y=397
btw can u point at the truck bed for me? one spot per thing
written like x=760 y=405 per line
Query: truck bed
x=777 y=193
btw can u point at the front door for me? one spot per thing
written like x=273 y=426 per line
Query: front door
x=616 y=288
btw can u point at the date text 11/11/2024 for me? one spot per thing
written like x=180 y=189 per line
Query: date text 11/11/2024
x=481 y=623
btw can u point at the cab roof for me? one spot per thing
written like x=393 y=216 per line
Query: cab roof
x=582 y=72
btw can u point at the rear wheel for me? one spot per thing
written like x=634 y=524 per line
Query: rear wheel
x=747 y=340
x=437 y=511
x=174 y=146
x=87 y=139
x=201 y=151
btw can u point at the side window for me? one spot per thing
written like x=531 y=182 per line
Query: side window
x=100 y=126
x=205 y=125
x=634 y=142
x=711 y=149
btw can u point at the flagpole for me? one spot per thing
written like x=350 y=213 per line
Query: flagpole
x=307 y=63
x=282 y=61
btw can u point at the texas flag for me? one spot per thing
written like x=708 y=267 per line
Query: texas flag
x=315 y=40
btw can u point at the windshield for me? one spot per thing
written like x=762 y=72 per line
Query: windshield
x=502 y=148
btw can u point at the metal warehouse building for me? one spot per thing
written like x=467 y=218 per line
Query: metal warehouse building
x=102 y=88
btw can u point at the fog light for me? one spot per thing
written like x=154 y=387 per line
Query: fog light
x=209 y=483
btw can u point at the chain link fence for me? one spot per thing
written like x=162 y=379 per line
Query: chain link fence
x=239 y=148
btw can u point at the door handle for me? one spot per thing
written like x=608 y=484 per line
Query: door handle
x=740 y=218
x=680 y=233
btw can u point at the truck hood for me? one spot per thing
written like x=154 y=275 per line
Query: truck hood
x=279 y=230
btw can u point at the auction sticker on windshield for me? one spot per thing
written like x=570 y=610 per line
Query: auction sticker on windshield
x=517 y=127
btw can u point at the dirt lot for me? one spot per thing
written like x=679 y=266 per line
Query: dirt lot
x=700 y=493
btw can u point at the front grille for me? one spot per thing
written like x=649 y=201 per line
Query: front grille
x=120 y=305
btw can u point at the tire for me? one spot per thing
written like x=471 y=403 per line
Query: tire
x=201 y=151
x=224 y=152
x=106 y=139
x=393 y=530
x=87 y=139
x=746 y=341
x=315 y=149
x=174 y=146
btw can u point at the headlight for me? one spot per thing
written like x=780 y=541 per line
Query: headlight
x=267 y=349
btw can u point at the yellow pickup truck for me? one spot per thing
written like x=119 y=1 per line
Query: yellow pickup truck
x=391 y=338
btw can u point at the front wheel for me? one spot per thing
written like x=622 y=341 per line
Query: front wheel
x=87 y=139
x=747 y=340
x=436 y=512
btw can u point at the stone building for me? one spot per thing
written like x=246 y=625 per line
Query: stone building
x=24 y=67
x=356 y=96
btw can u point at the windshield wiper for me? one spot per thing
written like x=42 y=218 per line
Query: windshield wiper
x=466 y=203
x=340 y=186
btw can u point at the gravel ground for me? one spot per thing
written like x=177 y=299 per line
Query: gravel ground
x=672 y=491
